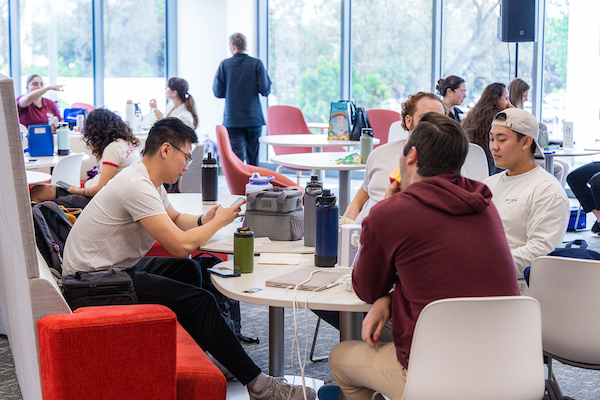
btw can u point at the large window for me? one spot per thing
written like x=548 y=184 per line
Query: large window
x=391 y=51
x=56 y=43
x=4 y=48
x=134 y=53
x=472 y=50
x=304 y=55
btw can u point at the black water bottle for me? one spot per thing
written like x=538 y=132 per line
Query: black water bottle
x=327 y=230
x=313 y=189
x=210 y=180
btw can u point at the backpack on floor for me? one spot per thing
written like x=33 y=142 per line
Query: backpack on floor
x=52 y=226
x=230 y=309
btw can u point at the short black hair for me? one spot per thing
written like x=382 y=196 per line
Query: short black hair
x=170 y=130
x=441 y=145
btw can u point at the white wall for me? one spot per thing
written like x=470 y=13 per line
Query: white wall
x=203 y=31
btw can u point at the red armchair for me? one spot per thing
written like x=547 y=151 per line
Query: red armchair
x=124 y=352
x=237 y=173
x=380 y=122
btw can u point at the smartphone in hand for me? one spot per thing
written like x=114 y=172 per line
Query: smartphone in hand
x=223 y=272
x=237 y=201
x=64 y=184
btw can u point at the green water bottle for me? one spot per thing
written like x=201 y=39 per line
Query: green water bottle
x=243 y=250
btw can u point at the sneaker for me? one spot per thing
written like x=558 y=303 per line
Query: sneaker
x=329 y=391
x=596 y=227
x=279 y=389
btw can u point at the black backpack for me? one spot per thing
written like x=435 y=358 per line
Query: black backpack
x=230 y=309
x=360 y=120
x=52 y=226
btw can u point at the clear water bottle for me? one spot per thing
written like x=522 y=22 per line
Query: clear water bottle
x=327 y=230
x=210 y=180
x=366 y=144
x=313 y=189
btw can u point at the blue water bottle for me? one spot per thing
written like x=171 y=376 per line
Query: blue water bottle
x=327 y=230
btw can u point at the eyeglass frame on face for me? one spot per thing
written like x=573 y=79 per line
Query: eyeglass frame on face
x=188 y=157
x=462 y=91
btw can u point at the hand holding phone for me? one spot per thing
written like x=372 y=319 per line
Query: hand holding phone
x=64 y=184
x=238 y=201
x=223 y=272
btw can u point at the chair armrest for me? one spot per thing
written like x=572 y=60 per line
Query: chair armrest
x=109 y=352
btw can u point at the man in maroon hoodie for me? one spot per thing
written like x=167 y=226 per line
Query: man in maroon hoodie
x=439 y=237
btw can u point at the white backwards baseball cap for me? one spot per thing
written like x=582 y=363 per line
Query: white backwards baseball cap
x=520 y=121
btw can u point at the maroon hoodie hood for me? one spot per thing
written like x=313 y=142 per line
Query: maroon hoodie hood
x=451 y=194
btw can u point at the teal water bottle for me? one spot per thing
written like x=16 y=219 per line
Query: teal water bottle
x=243 y=250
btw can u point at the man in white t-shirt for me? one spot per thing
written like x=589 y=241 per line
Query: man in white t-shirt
x=384 y=159
x=122 y=222
x=533 y=206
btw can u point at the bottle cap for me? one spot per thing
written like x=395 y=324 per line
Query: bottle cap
x=326 y=197
x=244 y=232
x=209 y=159
x=256 y=179
x=367 y=131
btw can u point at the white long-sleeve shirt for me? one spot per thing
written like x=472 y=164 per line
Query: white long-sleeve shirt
x=534 y=210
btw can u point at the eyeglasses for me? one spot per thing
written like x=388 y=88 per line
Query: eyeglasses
x=463 y=92
x=188 y=157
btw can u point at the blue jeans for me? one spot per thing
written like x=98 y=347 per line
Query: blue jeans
x=585 y=184
x=244 y=142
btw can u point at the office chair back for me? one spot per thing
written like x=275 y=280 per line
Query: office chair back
x=380 y=122
x=191 y=181
x=397 y=132
x=287 y=120
x=237 y=173
x=86 y=106
x=477 y=348
x=68 y=170
x=476 y=165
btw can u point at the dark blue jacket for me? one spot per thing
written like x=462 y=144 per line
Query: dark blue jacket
x=239 y=80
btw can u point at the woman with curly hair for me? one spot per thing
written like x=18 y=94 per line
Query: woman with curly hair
x=478 y=121
x=114 y=146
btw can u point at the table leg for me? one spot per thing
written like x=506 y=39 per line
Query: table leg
x=549 y=164
x=276 y=341
x=344 y=195
x=350 y=325
x=317 y=172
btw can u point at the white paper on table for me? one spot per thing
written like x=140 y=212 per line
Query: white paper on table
x=567 y=135
x=280 y=258
x=257 y=241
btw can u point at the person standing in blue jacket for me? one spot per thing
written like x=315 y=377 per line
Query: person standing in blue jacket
x=239 y=80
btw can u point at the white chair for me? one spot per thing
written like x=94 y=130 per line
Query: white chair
x=477 y=348
x=568 y=290
x=476 y=165
x=397 y=132
x=191 y=181
x=68 y=170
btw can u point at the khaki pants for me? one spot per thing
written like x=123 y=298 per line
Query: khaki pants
x=360 y=371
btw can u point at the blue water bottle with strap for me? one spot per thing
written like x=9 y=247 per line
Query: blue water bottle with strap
x=327 y=230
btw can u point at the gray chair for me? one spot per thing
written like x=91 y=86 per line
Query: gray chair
x=568 y=290
x=191 y=181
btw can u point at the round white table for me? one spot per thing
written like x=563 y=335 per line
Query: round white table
x=337 y=298
x=316 y=142
x=549 y=162
x=324 y=161
x=46 y=161
x=221 y=242
x=34 y=177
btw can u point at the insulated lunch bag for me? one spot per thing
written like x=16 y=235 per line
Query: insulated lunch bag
x=276 y=213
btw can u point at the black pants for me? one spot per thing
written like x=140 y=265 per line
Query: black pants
x=177 y=283
x=244 y=143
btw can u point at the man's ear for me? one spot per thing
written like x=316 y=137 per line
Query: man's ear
x=408 y=122
x=527 y=142
x=412 y=157
x=164 y=150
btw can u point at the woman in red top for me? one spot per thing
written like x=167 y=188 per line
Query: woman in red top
x=33 y=108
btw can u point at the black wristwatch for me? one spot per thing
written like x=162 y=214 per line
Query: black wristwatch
x=200 y=220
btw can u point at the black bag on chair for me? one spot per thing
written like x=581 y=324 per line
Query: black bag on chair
x=98 y=288
x=361 y=120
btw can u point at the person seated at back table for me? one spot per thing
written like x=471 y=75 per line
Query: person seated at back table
x=384 y=159
x=129 y=214
x=534 y=208
x=406 y=263
x=114 y=146
x=585 y=184
x=32 y=107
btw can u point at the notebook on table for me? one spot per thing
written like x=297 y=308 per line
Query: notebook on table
x=319 y=281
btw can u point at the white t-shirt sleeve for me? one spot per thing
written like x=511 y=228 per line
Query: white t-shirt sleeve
x=143 y=201
x=114 y=154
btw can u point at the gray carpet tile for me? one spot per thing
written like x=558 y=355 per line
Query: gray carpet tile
x=9 y=386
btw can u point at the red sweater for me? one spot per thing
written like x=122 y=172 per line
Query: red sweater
x=439 y=238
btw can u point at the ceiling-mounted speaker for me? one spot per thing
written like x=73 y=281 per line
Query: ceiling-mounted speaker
x=517 y=21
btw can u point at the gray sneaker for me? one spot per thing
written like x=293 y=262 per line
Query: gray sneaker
x=279 y=389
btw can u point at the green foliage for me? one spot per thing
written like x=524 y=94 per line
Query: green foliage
x=555 y=60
